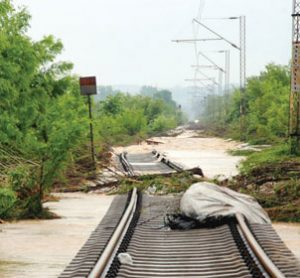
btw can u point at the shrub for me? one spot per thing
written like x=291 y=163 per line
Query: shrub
x=163 y=123
x=8 y=199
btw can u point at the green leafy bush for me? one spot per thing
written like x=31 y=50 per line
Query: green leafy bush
x=266 y=100
x=133 y=121
x=266 y=157
x=120 y=117
x=44 y=126
x=163 y=123
x=43 y=117
x=8 y=199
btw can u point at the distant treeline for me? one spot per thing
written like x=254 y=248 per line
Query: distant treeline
x=44 y=125
x=266 y=102
x=122 y=117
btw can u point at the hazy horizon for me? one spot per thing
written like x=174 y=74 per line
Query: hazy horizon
x=129 y=42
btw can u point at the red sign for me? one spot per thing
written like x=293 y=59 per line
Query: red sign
x=88 y=85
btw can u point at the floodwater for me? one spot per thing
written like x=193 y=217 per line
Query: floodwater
x=210 y=154
x=44 y=248
x=290 y=234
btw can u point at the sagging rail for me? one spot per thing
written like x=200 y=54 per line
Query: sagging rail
x=229 y=250
x=110 y=250
x=234 y=249
x=257 y=262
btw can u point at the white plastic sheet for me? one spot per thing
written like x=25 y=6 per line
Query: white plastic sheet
x=203 y=200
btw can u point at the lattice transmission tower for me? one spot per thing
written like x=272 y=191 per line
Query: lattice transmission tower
x=294 y=125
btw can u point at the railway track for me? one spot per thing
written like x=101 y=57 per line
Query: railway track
x=136 y=225
x=234 y=249
x=154 y=163
x=148 y=164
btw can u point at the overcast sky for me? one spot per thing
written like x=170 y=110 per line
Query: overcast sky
x=129 y=41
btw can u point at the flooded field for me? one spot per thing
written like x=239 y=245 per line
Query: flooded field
x=44 y=248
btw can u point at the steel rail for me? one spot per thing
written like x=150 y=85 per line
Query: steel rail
x=270 y=267
x=113 y=242
x=126 y=165
x=104 y=261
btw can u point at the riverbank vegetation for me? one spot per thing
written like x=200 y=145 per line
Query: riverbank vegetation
x=266 y=101
x=122 y=117
x=272 y=175
x=44 y=125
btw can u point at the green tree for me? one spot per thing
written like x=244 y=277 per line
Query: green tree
x=267 y=104
x=42 y=119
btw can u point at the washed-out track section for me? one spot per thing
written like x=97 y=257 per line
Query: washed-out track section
x=276 y=250
x=218 y=252
x=88 y=255
x=148 y=163
x=208 y=252
x=160 y=252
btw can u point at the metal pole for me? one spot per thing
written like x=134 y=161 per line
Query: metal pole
x=91 y=131
x=227 y=71
x=220 y=86
x=227 y=80
x=220 y=92
x=242 y=52
x=294 y=125
x=242 y=75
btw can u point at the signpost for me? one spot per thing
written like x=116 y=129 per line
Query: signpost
x=88 y=87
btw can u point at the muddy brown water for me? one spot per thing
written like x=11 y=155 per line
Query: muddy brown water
x=210 y=154
x=290 y=234
x=44 y=248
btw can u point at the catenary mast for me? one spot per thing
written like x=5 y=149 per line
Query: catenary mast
x=294 y=125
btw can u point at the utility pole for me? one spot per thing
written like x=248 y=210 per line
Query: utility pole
x=227 y=69
x=91 y=131
x=294 y=125
x=242 y=52
x=242 y=20
x=220 y=81
x=227 y=78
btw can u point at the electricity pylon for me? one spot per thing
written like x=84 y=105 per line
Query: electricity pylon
x=294 y=125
